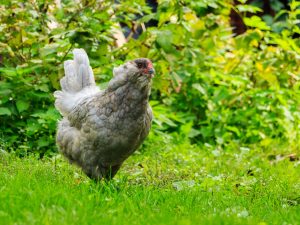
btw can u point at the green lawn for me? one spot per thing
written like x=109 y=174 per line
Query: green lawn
x=179 y=184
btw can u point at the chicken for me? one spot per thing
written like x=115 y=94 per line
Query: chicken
x=102 y=128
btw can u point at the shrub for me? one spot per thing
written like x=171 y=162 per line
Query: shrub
x=210 y=87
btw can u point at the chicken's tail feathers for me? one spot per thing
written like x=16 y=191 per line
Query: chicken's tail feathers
x=77 y=83
x=78 y=73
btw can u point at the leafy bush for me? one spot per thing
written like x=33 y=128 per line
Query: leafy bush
x=37 y=38
x=242 y=89
x=210 y=86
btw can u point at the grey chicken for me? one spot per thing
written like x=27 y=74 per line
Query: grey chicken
x=102 y=128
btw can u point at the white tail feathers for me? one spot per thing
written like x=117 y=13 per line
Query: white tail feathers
x=77 y=83
x=78 y=73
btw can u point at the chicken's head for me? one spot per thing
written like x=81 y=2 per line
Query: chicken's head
x=145 y=67
x=136 y=68
x=138 y=72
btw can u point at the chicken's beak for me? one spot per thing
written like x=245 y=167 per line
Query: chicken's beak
x=151 y=72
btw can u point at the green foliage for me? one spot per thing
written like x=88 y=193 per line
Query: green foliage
x=210 y=87
x=36 y=37
x=243 y=89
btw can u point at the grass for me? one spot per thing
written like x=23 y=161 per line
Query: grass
x=167 y=184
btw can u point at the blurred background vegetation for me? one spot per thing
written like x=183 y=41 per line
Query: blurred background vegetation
x=227 y=71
